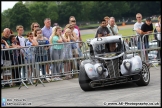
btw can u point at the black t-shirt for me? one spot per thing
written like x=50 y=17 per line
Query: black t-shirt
x=146 y=28
x=102 y=30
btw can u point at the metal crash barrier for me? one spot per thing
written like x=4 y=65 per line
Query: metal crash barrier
x=36 y=64
x=31 y=65
x=150 y=52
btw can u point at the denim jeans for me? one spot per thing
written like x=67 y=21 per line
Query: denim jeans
x=80 y=52
x=146 y=45
x=42 y=66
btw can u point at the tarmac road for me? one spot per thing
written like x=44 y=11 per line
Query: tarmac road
x=91 y=31
x=69 y=93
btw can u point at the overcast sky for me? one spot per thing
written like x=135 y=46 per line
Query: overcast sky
x=7 y=4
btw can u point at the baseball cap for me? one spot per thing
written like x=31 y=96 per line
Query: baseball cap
x=148 y=19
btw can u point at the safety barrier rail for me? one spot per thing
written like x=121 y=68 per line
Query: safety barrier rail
x=26 y=64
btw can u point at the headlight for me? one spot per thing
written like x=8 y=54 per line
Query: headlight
x=127 y=64
x=100 y=70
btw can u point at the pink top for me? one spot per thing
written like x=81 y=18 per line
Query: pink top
x=77 y=29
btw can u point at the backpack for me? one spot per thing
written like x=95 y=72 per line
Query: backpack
x=18 y=41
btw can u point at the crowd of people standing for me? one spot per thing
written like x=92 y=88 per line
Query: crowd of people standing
x=56 y=35
x=42 y=36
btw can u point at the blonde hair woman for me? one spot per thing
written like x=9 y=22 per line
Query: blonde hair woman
x=68 y=51
x=57 y=50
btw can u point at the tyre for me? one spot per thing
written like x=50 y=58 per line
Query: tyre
x=144 y=75
x=84 y=80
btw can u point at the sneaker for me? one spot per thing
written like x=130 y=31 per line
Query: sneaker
x=59 y=78
x=48 y=79
x=54 y=79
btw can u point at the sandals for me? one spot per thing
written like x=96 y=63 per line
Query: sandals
x=68 y=77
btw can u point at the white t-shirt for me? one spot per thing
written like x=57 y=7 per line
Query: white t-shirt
x=77 y=34
x=137 y=26
x=158 y=35
x=115 y=29
x=22 y=41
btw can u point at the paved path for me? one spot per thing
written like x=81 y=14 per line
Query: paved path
x=91 y=31
x=69 y=93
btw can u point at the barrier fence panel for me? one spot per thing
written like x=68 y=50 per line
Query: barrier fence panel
x=39 y=63
x=50 y=62
x=150 y=52
x=151 y=48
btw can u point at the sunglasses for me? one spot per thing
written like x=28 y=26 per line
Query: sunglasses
x=36 y=26
x=103 y=23
x=73 y=21
x=138 y=17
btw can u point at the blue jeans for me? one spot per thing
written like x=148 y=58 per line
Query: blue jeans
x=146 y=44
x=80 y=52
x=42 y=66
x=57 y=54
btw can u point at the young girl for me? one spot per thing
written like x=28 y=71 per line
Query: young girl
x=16 y=56
x=57 y=50
x=41 y=52
x=68 y=51
x=31 y=54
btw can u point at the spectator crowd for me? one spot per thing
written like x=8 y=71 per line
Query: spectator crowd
x=54 y=36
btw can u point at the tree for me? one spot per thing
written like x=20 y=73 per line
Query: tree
x=86 y=9
x=42 y=10
x=52 y=11
x=19 y=16
x=5 y=15
x=67 y=9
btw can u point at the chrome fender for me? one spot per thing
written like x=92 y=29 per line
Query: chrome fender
x=135 y=67
x=92 y=73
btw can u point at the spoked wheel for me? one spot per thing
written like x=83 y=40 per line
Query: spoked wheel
x=84 y=80
x=145 y=75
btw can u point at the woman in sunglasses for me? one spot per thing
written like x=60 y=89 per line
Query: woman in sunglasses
x=34 y=26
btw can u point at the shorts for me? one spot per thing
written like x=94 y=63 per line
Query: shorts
x=75 y=51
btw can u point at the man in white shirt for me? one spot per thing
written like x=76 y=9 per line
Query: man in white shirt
x=21 y=40
x=112 y=27
x=138 y=24
x=20 y=31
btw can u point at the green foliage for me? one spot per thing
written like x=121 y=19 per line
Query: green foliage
x=38 y=12
x=68 y=9
x=19 y=15
x=5 y=15
x=84 y=11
